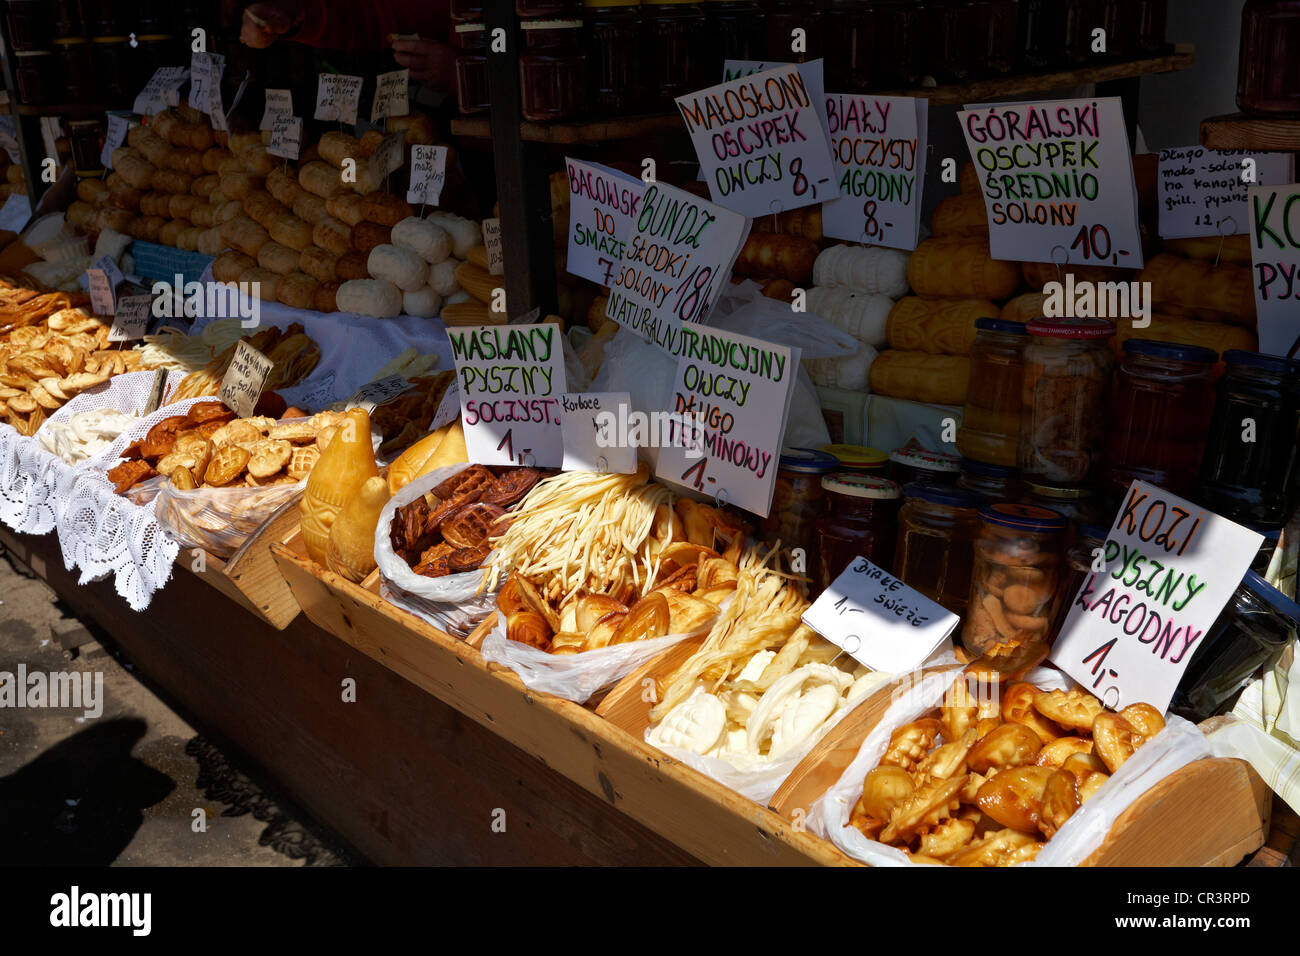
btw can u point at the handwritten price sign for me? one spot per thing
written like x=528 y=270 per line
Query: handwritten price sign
x=286 y=137
x=278 y=103
x=428 y=174
x=244 y=380
x=337 y=97
x=391 y=95
x=603 y=204
x=159 y=92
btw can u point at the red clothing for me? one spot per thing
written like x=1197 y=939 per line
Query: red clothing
x=368 y=24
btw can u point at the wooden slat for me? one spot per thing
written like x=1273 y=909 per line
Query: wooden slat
x=1239 y=131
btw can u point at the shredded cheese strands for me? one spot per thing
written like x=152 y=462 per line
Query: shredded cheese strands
x=172 y=349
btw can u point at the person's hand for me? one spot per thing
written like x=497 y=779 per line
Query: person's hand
x=428 y=60
x=264 y=23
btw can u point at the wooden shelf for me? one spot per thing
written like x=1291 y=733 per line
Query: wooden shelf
x=1239 y=131
x=65 y=109
x=564 y=134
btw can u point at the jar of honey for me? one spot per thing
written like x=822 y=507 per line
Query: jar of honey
x=552 y=70
x=861 y=520
x=612 y=38
x=470 y=42
x=937 y=528
x=1268 y=71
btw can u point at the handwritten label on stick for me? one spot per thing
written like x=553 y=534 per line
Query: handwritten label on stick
x=734 y=392
x=492 y=241
x=1202 y=191
x=389 y=154
x=278 y=103
x=1169 y=568
x=245 y=379
x=102 y=280
x=597 y=436
x=205 y=80
x=878 y=620
x=118 y=126
x=878 y=144
x=131 y=319
x=677 y=261
x=1275 y=255
x=337 y=96
x=511 y=378
x=380 y=392
x=15 y=213
x=153 y=98
x=391 y=95
x=1057 y=174
x=286 y=137
x=603 y=205
x=760 y=142
x=428 y=174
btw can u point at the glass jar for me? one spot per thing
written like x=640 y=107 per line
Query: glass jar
x=937 y=528
x=861 y=521
x=674 y=54
x=994 y=482
x=954 y=30
x=1160 y=408
x=994 y=50
x=1250 y=633
x=549 y=9
x=798 y=499
x=782 y=18
x=471 y=43
x=104 y=18
x=899 y=56
x=1264 y=556
x=1088 y=545
x=1153 y=18
x=34 y=76
x=67 y=21
x=1121 y=19
x=29 y=25
x=1268 y=71
x=87 y=139
x=1041 y=34
x=859 y=460
x=912 y=463
x=612 y=38
x=1068 y=365
x=736 y=32
x=1252 y=480
x=467 y=9
x=151 y=17
x=990 y=420
x=552 y=70
x=110 y=56
x=845 y=39
x=72 y=60
x=1015 y=579
x=1077 y=505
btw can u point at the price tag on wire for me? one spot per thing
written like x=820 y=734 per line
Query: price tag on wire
x=428 y=174
x=205 y=80
x=103 y=278
x=118 y=127
x=286 y=137
x=389 y=154
x=278 y=103
x=492 y=239
x=244 y=380
x=337 y=97
x=373 y=394
x=392 y=95
x=131 y=319
x=161 y=90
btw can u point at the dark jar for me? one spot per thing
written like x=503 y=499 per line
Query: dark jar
x=111 y=56
x=1041 y=34
x=955 y=40
x=552 y=70
x=1152 y=21
x=1248 y=471
x=30 y=27
x=1088 y=546
x=798 y=499
x=899 y=50
x=87 y=140
x=861 y=521
x=72 y=60
x=1122 y=21
x=736 y=31
x=1250 y=633
x=67 y=20
x=845 y=41
x=471 y=44
x=993 y=50
x=1268 y=69
x=550 y=9
x=467 y=9
x=612 y=39
x=782 y=18
x=994 y=482
x=35 y=77
x=937 y=528
x=674 y=54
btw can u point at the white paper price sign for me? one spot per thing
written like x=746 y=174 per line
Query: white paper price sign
x=878 y=144
x=1274 y=219
x=603 y=205
x=878 y=620
x=676 y=263
x=131 y=319
x=428 y=174
x=1169 y=568
x=205 y=80
x=448 y=408
x=103 y=278
x=337 y=96
x=392 y=95
x=118 y=126
x=15 y=213
x=218 y=112
x=278 y=103
x=245 y=379
x=1057 y=174
x=154 y=98
x=286 y=137
x=511 y=378
x=9 y=139
x=492 y=240
x=389 y=154
x=600 y=432
x=380 y=392
x=1202 y=191
x=734 y=393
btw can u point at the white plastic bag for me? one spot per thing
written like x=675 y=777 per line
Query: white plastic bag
x=1177 y=745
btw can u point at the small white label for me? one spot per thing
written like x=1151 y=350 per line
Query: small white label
x=118 y=126
x=131 y=319
x=278 y=103
x=391 y=95
x=337 y=96
x=593 y=439
x=245 y=379
x=286 y=137
x=161 y=90
x=428 y=173
x=492 y=239
x=205 y=80
x=389 y=154
x=373 y=394
x=103 y=278
x=15 y=213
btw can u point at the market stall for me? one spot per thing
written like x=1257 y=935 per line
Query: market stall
x=729 y=438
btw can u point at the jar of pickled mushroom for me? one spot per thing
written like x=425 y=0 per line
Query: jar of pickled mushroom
x=937 y=528
x=990 y=420
x=994 y=482
x=861 y=520
x=798 y=499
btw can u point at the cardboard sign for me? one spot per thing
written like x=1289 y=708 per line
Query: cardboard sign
x=760 y=142
x=15 y=213
x=103 y=278
x=278 y=103
x=131 y=320
x=676 y=263
x=878 y=145
x=373 y=394
x=878 y=620
x=1202 y=192
x=492 y=240
x=205 y=80
x=154 y=97
x=1274 y=218
x=603 y=205
x=511 y=378
x=337 y=96
x=118 y=127
x=245 y=379
x=392 y=95
x=1169 y=568
x=1057 y=174
x=593 y=439
x=286 y=137
x=389 y=154
x=737 y=391
x=428 y=174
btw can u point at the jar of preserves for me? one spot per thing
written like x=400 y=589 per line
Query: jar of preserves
x=1250 y=633
x=990 y=421
x=612 y=38
x=1264 y=556
x=471 y=44
x=899 y=49
x=1068 y=365
x=1088 y=545
x=1041 y=34
x=798 y=499
x=111 y=58
x=1268 y=72
x=467 y=9
x=87 y=140
x=783 y=17
x=1077 y=505
x=1015 y=578
x=844 y=41
x=30 y=27
x=995 y=482
x=1153 y=17
x=736 y=31
x=1248 y=473
x=912 y=463
x=954 y=30
x=1160 y=410
x=859 y=460
x=937 y=528
x=549 y=9
x=861 y=521
x=34 y=76
x=104 y=18
x=552 y=70
x=67 y=20
x=673 y=63
x=1121 y=19
x=994 y=42
x=72 y=60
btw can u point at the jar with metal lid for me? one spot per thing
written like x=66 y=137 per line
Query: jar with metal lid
x=1268 y=71
x=990 y=420
x=736 y=31
x=1076 y=505
x=861 y=520
x=1068 y=364
x=798 y=499
x=552 y=70
x=1041 y=33
x=844 y=41
x=612 y=38
x=994 y=482
x=937 y=528
x=471 y=44
x=674 y=53
x=87 y=140
x=859 y=460
x=1250 y=634
x=1088 y=545
x=110 y=56
x=551 y=9
x=72 y=60
x=1160 y=410
x=899 y=50
x=994 y=43
x=1015 y=578
x=34 y=76
x=782 y=18
x=29 y=25
x=914 y=463
x=1249 y=469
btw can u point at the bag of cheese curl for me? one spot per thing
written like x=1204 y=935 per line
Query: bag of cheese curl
x=1177 y=744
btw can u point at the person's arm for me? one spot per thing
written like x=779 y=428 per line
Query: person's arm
x=341 y=24
x=429 y=61
x=264 y=23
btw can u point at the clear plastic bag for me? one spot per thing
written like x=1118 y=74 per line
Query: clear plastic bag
x=220 y=520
